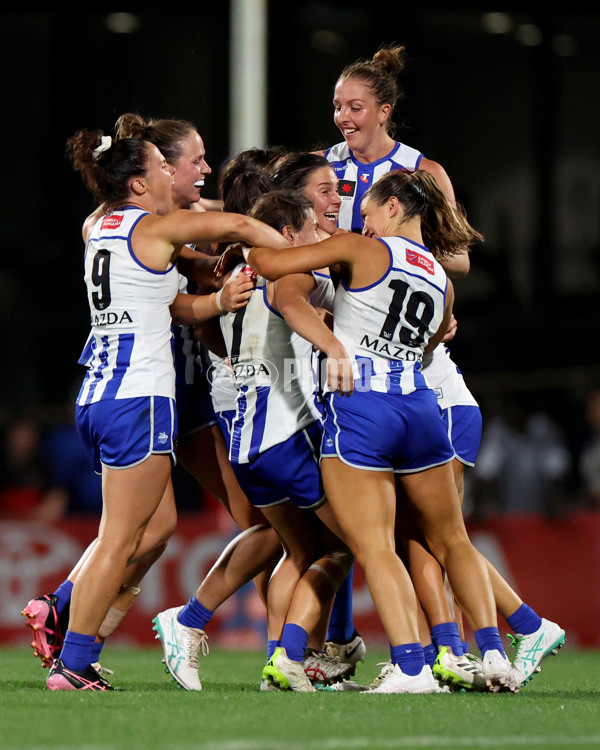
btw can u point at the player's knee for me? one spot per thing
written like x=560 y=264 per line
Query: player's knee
x=334 y=567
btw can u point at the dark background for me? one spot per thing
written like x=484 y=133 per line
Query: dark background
x=513 y=118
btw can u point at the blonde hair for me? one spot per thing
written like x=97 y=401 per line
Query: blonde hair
x=380 y=74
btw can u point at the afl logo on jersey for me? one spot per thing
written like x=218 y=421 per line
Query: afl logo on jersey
x=416 y=259
x=346 y=188
x=112 y=222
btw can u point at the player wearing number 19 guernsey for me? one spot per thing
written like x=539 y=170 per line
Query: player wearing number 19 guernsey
x=388 y=356
x=392 y=420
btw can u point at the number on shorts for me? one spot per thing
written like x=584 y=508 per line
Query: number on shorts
x=101 y=278
x=419 y=313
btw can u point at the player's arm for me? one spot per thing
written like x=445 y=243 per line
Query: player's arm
x=182 y=227
x=209 y=334
x=158 y=240
x=191 y=309
x=292 y=300
x=291 y=297
x=199 y=268
x=457 y=266
x=337 y=252
x=441 y=177
x=446 y=321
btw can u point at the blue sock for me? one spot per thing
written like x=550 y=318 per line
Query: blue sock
x=488 y=639
x=430 y=654
x=465 y=646
x=194 y=615
x=524 y=621
x=77 y=650
x=294 y=640
x=341 y=624
x=409 y=657
x=63 y=594
x=96 y=649
x=446 y=634
x=271 y=646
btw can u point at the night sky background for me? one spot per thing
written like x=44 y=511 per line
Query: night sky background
x=509 y=105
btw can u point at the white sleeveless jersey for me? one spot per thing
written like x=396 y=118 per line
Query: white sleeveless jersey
x=129 y=350
x=386 y=326
x=272 y=369
x=355 y=178
x=446 y=380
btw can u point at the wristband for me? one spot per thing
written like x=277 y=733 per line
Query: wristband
x=215 y=300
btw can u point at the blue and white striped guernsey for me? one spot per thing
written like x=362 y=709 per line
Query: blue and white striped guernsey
x=355 y=177
x=385 y=327
x=129 y=350
x=273 y=372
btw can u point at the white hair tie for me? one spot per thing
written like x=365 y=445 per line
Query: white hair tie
x=105 y=144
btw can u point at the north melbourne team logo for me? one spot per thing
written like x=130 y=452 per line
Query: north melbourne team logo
x=346 y=188
x=162 y=437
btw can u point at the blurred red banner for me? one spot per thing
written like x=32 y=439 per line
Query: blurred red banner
x=553 y=565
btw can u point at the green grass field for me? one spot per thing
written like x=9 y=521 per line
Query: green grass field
x=559 y=709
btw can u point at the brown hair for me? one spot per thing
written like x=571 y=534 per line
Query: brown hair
x=107 y=173
x=295 y=170
x=166 y=134
x=445 y=228
x=380 y=74
x=280 y=208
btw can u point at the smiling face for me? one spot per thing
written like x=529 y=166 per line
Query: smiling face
x=190 y=170
x=321 y=190
x=308 y=235
x=376 y=218
x=158 y=180
x=361 y=120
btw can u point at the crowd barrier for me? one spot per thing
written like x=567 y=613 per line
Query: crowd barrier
x=554 y=565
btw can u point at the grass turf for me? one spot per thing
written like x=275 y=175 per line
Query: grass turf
x=558 y=709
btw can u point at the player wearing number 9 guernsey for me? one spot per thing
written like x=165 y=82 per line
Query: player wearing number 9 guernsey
x=125 y=409
x=129 y=350
x=394 y=304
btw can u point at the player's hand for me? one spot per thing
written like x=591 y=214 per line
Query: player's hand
x=236 y=292
x=340 y=375
x=451 y=330
x=231 y=256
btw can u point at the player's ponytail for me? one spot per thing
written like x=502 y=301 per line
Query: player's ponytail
x=445 y=228
x=380 y=74
x=106 y=164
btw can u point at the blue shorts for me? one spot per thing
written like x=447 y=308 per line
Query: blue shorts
x=288 y=471
x=463 y=426
x=225 y=421
x=121 y=433
x=194 y=406
x=386 y=432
